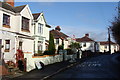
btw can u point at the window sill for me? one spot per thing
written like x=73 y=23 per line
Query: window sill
x=25 y=30
x=7 y=50
x=7 y=26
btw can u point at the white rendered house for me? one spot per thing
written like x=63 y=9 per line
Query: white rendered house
x=16 y=32
x=87 y=43
x=104 y=46
x=41 y=33
x=60 y=38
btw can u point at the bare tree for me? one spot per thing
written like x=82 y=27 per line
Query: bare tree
x=116 y=30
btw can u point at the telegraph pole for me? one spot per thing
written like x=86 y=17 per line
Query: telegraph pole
x=109 y=40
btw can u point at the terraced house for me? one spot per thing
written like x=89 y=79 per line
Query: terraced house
x=60 y=38
x=41 y=33
x=16 y=33
x=88 y=44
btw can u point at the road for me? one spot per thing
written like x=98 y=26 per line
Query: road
x=104 y=66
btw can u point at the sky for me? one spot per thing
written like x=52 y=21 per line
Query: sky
x=77 y=18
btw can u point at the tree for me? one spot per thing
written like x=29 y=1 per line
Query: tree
x=51 y=46
x=75 y=45
x=115 y=28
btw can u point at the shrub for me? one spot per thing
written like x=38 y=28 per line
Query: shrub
x=51 y=46
x=46 y=52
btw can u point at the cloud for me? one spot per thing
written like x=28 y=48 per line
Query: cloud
x=95 y=33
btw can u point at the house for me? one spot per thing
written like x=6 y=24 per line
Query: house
x=87 y=43
x=16 y=33
x=104 y=46
x=60 y=38
x=41 y=33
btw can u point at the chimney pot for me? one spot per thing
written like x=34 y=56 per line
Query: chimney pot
x=87 y=35
x=11 y=2
x=58 y=28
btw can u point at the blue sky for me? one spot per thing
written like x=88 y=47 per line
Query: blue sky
x=78 y=18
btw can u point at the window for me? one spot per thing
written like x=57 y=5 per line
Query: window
x=20 y=45
x=7 y=45
x=46 y=47
x=39 y=46
x=105 y=46
x=84 y=44
x=6 y=20
x=25 y=23
x=57 y=41
x=40 y=28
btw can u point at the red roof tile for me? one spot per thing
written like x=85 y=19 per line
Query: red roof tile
x=84 y=39
x=58 y=34
x=36 y=15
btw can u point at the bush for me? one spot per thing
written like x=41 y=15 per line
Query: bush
x=51 y=46
x=46 y=52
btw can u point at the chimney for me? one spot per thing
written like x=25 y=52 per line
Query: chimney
x=58 y=28
x=87 y=35
x=11 y=2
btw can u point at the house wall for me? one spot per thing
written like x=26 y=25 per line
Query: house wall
x=5 y=35
x=11 y=54
x=15 y=26
x=44 y=35
x=113 y=47
x=89 y=46
x=66 y=44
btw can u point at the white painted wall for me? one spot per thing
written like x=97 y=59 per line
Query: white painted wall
x=66 y=43
x=45 y=34
x=89 y=46
x=15 y=26
x=11 y=54
x=113 y=47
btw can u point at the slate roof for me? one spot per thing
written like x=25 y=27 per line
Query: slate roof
x=7 y=6
x=57 y=34
x=36 y=15
x=107 y=42
x=84 y=39
x=19 y=8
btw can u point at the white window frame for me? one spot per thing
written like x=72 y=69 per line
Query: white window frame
x=40 y=28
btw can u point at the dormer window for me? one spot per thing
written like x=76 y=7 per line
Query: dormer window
x=6 y=20
x=25 y=24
